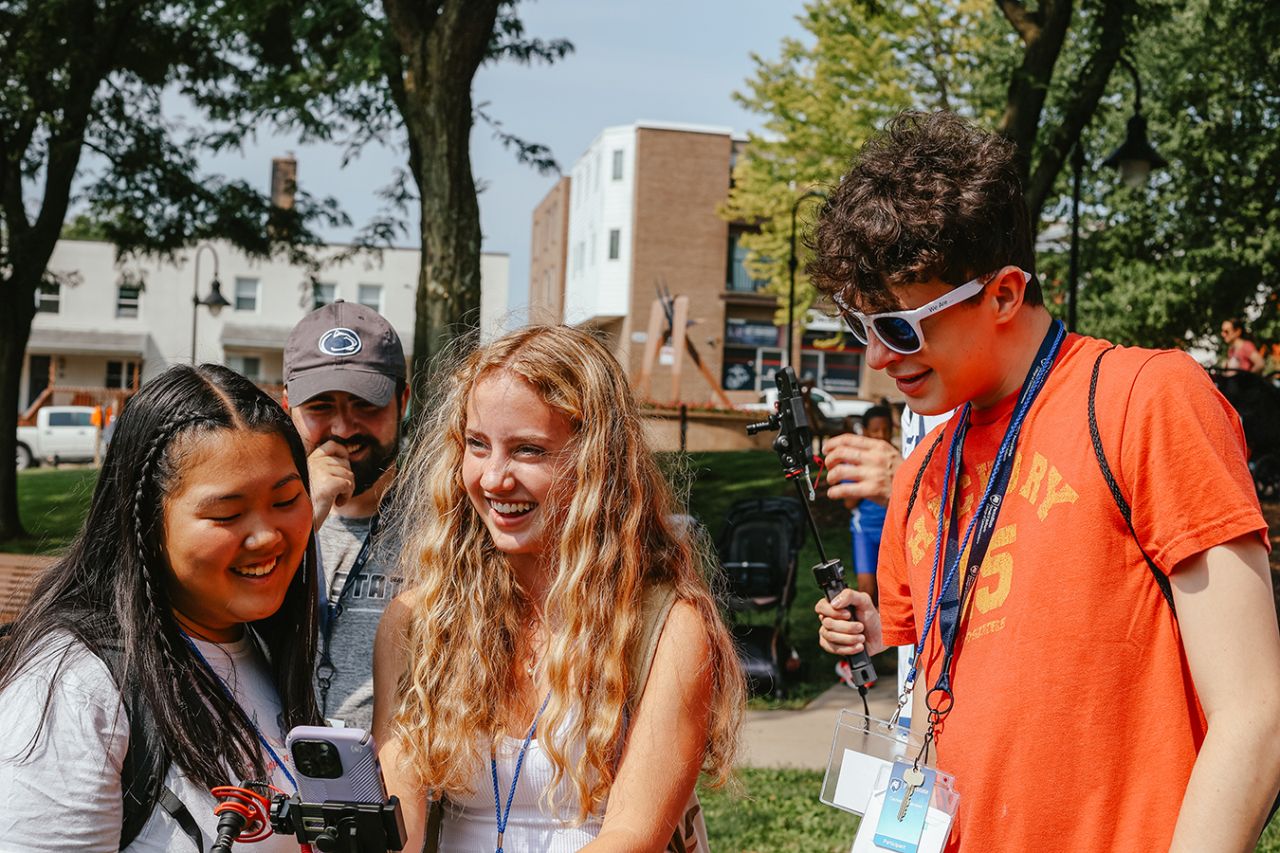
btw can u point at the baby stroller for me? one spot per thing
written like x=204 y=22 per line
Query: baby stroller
x=758 y=548
x=1258 y=402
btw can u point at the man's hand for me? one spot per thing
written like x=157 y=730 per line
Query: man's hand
x=840 y=634
x=860 y=467
x=332 y=482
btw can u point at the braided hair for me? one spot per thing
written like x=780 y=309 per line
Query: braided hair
x=110 y=589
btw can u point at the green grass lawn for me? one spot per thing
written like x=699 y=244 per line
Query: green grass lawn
x=52 y=503
x=777 y=811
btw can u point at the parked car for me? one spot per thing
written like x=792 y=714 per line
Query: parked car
x=831 y=407
x=61 y=434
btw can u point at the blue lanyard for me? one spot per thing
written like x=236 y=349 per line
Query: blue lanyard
x=986 y=512
x=225 y=689
x=500 y=814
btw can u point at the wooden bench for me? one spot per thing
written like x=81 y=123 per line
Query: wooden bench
x=17 y=575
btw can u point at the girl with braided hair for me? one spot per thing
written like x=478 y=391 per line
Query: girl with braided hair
x=170 y=650
x=556 y=673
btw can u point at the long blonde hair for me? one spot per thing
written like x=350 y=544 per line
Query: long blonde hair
x=614 y=538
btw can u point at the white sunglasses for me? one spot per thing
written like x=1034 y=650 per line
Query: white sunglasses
x=900 y=330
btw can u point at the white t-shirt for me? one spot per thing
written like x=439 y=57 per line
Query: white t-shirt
x=66 y=794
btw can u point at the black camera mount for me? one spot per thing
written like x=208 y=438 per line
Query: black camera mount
x=340 y=827
x=794 y=446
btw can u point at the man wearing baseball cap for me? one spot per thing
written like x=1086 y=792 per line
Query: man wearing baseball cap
x=345 y=389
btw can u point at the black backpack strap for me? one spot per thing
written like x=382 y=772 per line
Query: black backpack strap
x=143 y=770
x=1162 y=580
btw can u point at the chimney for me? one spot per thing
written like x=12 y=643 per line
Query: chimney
x=284 y=180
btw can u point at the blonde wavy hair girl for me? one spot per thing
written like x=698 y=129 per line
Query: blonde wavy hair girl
x=466 y=653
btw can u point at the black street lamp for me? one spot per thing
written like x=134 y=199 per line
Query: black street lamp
x=792 y=263
x=215 y=301
x=1135 y=158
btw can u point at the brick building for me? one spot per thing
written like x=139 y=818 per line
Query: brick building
x=636 y=215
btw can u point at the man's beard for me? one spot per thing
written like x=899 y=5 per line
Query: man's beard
x=380 y=457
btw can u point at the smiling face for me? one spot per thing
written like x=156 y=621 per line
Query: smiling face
x=513 y=456
x=236 y=526
x=958 y=361
x=370 y=433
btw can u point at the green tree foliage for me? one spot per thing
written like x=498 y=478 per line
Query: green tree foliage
x=1166 y=263
x=1035 y=73
x=859 y=64
x=82 y=109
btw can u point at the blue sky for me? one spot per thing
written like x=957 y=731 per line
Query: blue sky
x=659 y=60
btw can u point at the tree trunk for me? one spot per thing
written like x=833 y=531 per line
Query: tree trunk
x=441 y=46
x=15 y=329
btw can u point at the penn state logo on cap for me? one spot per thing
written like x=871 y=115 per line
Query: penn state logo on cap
x=340 y=343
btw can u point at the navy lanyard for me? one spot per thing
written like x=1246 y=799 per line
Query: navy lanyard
x=502 y=815
x=330 y=610
x=982 y=525
x=253 y=724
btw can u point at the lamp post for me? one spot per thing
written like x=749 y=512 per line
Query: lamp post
x=1135 y=158
x=215 y=301
x=792 y=263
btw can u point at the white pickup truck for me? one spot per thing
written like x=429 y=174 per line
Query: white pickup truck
x=61 y=434
x=831 y=407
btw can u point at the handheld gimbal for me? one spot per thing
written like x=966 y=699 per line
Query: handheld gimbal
x=794 y=446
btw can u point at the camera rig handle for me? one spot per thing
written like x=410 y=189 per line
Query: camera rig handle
x=341 y=827
x=794 y=446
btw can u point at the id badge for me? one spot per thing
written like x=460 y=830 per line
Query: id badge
x=904 y=818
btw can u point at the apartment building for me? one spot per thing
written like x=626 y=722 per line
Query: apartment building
x=111 y=326
x=636 y=216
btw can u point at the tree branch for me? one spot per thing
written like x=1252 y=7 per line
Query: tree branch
x=1026 y=24
x=1088 y=87
x=1029 y=84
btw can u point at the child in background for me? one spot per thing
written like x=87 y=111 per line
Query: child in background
x=868 y=516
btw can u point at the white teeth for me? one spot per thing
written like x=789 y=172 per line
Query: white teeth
x=511 y=509
x=257 y=570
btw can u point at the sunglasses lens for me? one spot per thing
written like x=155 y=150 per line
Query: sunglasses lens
x=898 y=334
x=856 y=328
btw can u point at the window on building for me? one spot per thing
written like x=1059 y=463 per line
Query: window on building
x=370 y=296
x=248 y=366
x=48 y=297
x=615 y=243
x=121 y=374
x=323 y=294
x=740 y=279
x=246 y=294
x=617 y=164
x=591 y=255
x=127 y=298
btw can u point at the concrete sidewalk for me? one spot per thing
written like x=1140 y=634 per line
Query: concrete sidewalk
x=802 y=739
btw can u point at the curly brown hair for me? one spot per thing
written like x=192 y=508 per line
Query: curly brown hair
x=932 y=196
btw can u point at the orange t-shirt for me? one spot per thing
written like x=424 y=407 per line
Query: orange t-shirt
x=1076 y=722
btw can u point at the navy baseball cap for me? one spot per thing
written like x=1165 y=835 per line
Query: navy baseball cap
x=343 y=346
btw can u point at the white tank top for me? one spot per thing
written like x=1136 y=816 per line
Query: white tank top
x=470 y=824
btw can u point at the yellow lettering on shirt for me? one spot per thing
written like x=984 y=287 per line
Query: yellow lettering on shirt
x=1058 y=493
x=921 y=539
x=999 y=566
x=1031 y=488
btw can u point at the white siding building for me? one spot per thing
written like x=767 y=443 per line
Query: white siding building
x=109 y=322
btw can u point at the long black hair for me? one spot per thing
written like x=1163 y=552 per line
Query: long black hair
x=110 y=589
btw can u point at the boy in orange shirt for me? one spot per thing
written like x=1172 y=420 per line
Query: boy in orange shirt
x=1112 y=683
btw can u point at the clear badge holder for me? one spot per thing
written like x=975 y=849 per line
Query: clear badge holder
x=865 y=771
x=920 y=826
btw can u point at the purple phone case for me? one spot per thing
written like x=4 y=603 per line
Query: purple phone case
x=361 y=779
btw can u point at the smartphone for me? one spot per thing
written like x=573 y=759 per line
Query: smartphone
x=336 y=765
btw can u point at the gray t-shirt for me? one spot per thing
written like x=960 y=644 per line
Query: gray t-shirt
x=348 y=695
